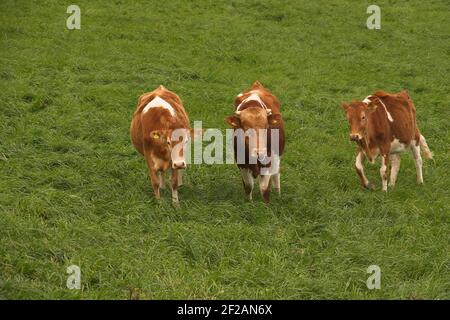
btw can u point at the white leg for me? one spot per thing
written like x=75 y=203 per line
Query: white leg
x=360 y=169
x=418 y=161
x=174 y=185
x=174 y=195
x=275 y=180
x=180 y=177
x=247 y=179
x=383 y=172
x=395 y=167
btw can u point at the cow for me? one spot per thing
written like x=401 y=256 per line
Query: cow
x=159 y=131
x=257 y=110
x=384 y=124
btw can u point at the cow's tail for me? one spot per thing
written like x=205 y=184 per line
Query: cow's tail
x=424 y=148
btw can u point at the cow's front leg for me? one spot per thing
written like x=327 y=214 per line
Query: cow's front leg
x=384 y=171
x=247 y=180
x=154 y=178
x=275 y=171
x=175 y=182
x=359 y=167
x=275 y=181
x=395 y=167
x=180 y=177
x=264 y=187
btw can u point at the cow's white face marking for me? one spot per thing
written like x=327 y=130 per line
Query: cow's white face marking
x=161 y=103
x=253 y=97
x=397 y=146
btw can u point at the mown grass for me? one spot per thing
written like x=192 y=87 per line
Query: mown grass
x=74 y=191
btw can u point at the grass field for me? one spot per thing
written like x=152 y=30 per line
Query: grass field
x=74 y=191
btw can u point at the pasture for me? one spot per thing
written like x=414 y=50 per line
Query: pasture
x=74 y=191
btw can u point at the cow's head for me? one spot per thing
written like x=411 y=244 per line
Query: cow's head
x=357 y=113
x=255 y=120
x=169 y=145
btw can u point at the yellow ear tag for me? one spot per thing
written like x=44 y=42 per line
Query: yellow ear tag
x=155 y=135
x=274 y=121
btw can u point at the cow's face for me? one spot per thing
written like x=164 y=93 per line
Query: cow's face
x=254 y=121
x=169 y=146
x=357 y=113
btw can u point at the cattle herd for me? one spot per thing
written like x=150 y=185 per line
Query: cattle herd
x=382 y=125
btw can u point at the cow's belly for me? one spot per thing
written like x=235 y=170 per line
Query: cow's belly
x=397 y=146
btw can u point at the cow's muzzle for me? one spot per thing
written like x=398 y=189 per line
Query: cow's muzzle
x=179 y=165
x=260 y=153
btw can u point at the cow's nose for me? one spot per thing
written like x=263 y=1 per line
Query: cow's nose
x=179 y=165
x=260 y=153
x=354 y=137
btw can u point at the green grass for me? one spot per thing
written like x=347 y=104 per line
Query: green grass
x=74 y=191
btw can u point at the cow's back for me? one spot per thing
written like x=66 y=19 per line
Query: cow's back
x=403 y=112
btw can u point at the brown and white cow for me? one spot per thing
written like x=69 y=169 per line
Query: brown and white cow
x=159 y=130
x=257 y=111
x=385 y=124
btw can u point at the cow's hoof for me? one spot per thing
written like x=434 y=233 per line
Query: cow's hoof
x=175 y=203
x=370 y=186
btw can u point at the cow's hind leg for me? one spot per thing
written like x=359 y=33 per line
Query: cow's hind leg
x=384 y=171
x=247 y=180
x=418 y=161
x=395 y=167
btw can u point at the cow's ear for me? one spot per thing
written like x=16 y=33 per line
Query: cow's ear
x=233 y=121
x=345 y=106
x=156 y=134
x=196 y=133
x=274 y=120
